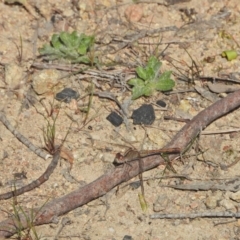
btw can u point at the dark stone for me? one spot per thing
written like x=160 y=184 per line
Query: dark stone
x=135 y=185
x=161 y=103
x=127 y=237
x=144 y=115
x=115 y=119
x=66 y=95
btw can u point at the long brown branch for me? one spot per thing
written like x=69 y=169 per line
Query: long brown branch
x=50 y=212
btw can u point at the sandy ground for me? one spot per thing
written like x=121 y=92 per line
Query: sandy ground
x=205 y=29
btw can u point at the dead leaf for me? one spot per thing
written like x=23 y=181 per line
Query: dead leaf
x=222 y=88
x=207 y=94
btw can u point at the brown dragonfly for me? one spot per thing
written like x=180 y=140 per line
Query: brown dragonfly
x=131 y=154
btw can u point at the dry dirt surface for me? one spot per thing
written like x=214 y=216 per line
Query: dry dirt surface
x=188 y=37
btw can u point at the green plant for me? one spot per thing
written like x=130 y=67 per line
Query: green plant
x=69 y=46
x=24 y=232
x=20 y=50
x=49 y=136
x=150 y=79
x=24 y=226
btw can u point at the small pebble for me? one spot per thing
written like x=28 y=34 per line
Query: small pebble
x=115 y=119
x=111 y=230
x=161 y=203
x=55 y=185
x=46 y=81
x=227 y=204
x=161 y=103
x=135 y=185
x=212 y=201
x=194 y=205
x=127 y=237
x=66 y=95
x=134 y=13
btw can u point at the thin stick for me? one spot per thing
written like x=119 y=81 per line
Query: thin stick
x=22 y=139
x=36 y=183
x=196 y=215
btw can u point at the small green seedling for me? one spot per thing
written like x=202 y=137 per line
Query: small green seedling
x=230 y=54
x=69 y=46
x=150 y=79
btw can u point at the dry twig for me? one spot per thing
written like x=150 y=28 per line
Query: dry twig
x=197 y=215
x=36 y=183
x=38 y=151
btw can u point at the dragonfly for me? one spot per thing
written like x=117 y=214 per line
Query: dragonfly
x=132 y=154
